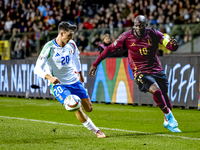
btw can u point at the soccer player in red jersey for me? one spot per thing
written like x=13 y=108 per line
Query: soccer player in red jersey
x=141 y=46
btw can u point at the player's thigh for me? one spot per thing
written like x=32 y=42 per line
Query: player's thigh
x=87 y=104
x=144 y=82
x=80 y=91
x=162 y=81
x=60 y=92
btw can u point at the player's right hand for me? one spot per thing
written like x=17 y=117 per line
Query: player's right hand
x=173 y=41
x=93 y=71
x=54 y=80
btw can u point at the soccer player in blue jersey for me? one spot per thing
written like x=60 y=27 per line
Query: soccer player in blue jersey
x=60 y=56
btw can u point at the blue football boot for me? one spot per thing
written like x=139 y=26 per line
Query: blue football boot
x=176 y=129
x=166 y=125
x=171 y=120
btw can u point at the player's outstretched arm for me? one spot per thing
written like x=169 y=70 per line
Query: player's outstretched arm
x=111 y=50
x=106 y=53
x=170 y=44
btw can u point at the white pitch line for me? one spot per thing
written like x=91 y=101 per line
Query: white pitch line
x=114 y=129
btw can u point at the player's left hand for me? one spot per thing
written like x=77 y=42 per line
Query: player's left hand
x=81 y=78
x=173 y=42
x=92 y=71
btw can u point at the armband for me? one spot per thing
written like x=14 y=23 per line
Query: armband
x=165 y=41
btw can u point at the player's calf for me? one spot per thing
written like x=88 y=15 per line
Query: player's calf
x=167 y=100
x=160 y=101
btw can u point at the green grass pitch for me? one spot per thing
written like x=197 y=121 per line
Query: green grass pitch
x=45 y=124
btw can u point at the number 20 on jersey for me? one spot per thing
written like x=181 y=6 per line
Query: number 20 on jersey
x=65 y=60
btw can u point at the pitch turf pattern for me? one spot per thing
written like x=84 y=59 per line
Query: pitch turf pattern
x=45 y=124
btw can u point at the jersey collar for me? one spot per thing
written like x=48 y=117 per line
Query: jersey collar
x=54 y=42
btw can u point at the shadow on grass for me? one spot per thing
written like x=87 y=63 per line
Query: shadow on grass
x=143 y=135
x=40 y=140
x=191 y=131
x=133 y=135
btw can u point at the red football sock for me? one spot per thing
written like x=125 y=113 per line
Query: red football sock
x=160 y=101
x=167 y=100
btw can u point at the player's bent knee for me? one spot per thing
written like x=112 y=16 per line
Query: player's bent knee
x=87 y=105
x=89 y=109
x=153 y=88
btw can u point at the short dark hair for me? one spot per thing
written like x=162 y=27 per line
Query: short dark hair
x=66 y=26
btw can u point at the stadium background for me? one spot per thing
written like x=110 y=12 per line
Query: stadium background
x=26 y=25
x=113 y=82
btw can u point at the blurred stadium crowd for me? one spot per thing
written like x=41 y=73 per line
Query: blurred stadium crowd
x=22 y=16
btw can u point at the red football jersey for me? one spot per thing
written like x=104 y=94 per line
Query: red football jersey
x=142 y=52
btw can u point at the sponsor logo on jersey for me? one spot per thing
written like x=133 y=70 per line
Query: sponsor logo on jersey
x=133 y=44
x=57 y=54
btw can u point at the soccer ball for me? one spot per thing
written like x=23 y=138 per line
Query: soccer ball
x=72 y=103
